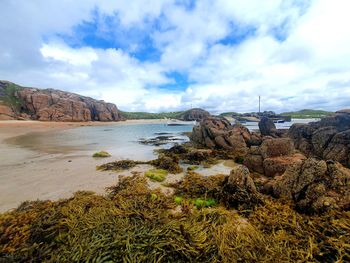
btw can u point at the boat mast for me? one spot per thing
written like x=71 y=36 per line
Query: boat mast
x=259 y=105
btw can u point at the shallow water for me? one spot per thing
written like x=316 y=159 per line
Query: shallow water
x=252 y=126
x=122 y=141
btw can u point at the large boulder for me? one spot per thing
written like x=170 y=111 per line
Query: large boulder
x=218 y=133
x=273 y=157
x=276 y=147
x=267 y=126
x=315 y=185
x=195 y=114
x=328 y=138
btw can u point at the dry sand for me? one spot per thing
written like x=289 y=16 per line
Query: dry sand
x=31 y=175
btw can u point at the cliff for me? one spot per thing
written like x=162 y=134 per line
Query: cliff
x=52 y=105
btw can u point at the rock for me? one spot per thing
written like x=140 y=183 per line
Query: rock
x=218 y=133
x=56 y=105
x=240 y=177
x=239 y=191
x=169 y=163
x=328 y=138
x=315 y=185
x=195 y=114
x=276 y=147
x=255 y=163
x=276 y=166
x=266 y=126
x=6 y=113
x=338 y=149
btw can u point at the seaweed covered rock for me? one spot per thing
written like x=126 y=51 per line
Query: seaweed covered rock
x=328 y=138
x=218 y=133
x=169 y=163
x=195 y=185
x=118 y=165
x=239 y=190
x=315 y=185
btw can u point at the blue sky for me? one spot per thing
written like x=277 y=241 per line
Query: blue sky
x=173 y=54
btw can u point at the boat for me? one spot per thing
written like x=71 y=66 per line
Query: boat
x=173 y=122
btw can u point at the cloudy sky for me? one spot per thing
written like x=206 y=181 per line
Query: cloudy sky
x=165 y=55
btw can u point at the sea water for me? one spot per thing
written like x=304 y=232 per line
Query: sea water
x=122 y=141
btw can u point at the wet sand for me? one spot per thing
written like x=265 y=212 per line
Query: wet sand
x=30 y=175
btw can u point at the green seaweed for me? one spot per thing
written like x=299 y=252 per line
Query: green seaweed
x=200 y=202
x=101 y=154
x=178 y=200
x=156 y=175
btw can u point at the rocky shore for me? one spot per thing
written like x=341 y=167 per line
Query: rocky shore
x=53 y=105
x=286 y=199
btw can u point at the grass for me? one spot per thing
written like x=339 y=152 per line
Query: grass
x=308 y=113
x=101 y=154
x=10 y=97
x=135 y=224
x=150 y=115
x=156 y=175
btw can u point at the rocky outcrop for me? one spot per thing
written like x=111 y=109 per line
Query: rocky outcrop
x=328 y=139
x=56 y=105
x=195 y=114
x=6 y=113
x=218 y=133
x=315 y=185
x=273 y=157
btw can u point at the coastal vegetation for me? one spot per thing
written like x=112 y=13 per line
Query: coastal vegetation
x=308 y=113
x=135 y=224
x=9 y=97
x=156 y=175
x=150 y=115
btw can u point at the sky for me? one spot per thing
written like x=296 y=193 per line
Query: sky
x=168 y=55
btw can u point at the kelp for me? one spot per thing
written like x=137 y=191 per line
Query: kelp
x=135 y=224
x=217 y=187
x=119 y=165
x=169 y=163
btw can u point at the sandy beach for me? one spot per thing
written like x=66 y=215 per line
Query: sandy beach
x=29 y=175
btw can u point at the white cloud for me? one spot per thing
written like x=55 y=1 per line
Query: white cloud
x=309 y=68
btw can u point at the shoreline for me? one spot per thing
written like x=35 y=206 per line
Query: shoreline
x=53 y=176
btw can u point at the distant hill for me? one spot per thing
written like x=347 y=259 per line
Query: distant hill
x=189 y=115
x=150 y=115
x=229 y=114
x=308 y=113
